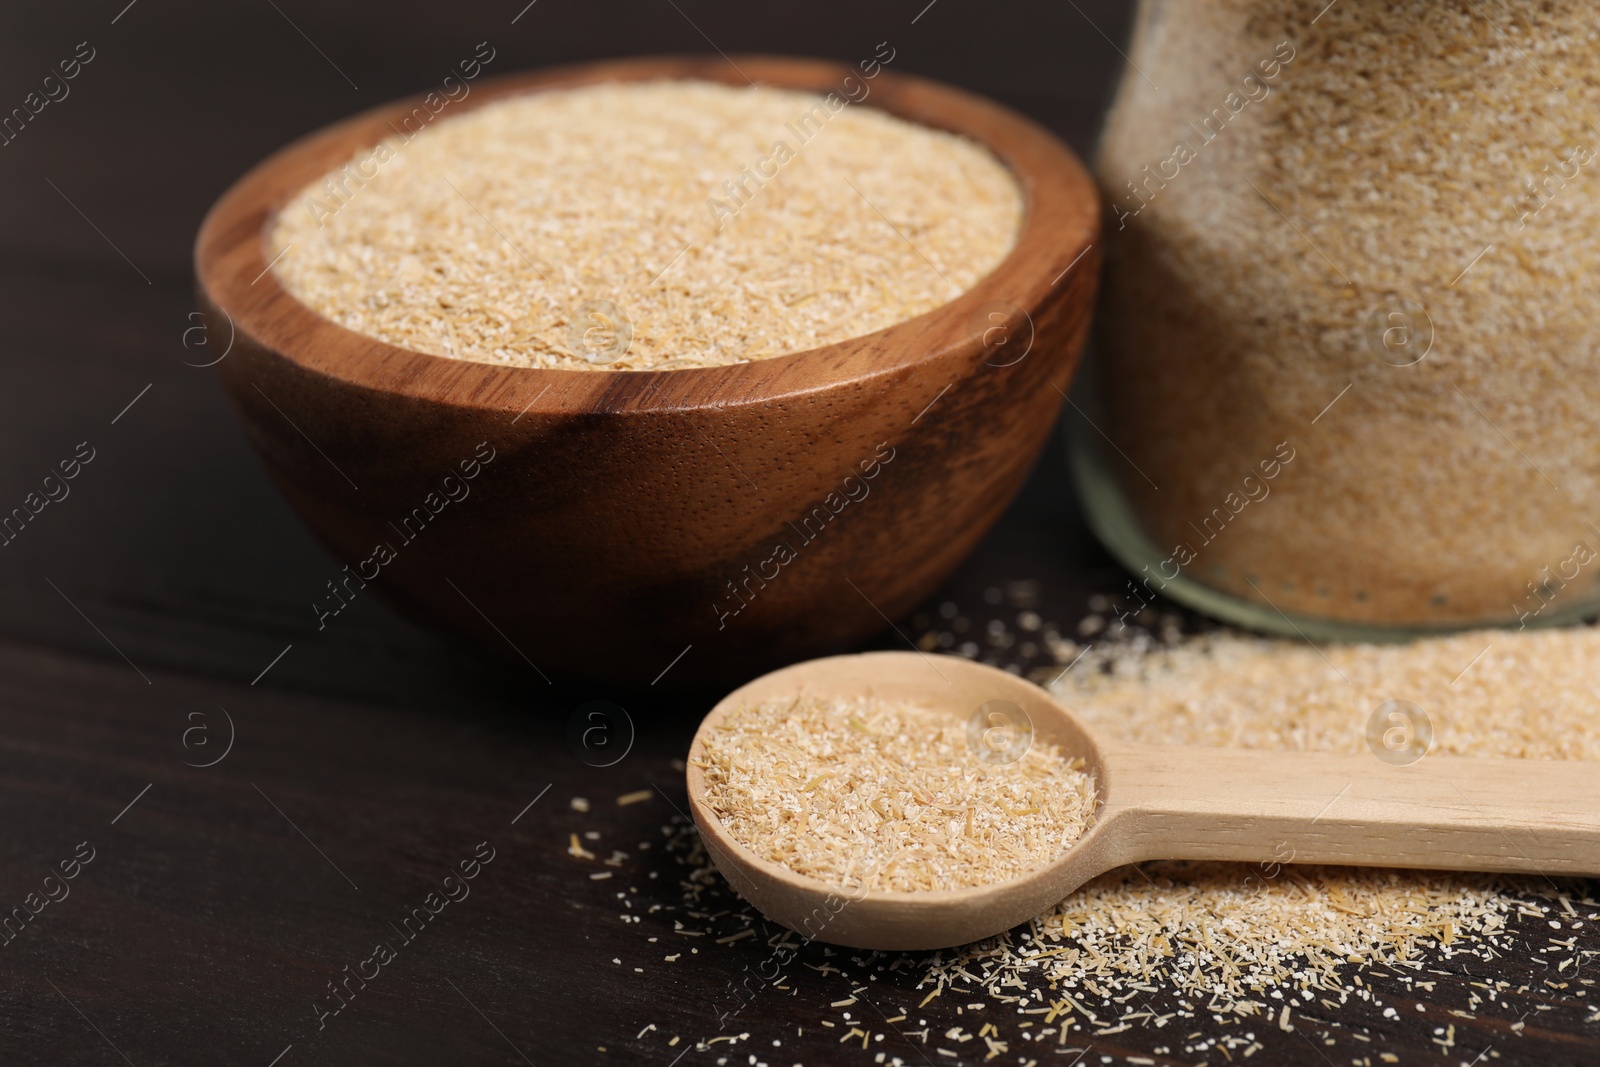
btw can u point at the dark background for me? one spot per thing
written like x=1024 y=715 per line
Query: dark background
x=173 y=575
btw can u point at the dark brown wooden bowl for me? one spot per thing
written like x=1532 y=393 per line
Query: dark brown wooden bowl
x=628 y=516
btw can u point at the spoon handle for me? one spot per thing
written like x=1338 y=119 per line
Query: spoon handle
x=1439 y=813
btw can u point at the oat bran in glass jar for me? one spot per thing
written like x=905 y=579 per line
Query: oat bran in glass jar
x=1349 y=330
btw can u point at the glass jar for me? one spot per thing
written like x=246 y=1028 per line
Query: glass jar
x=1347 y=344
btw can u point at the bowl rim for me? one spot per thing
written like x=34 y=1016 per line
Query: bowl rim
x=1059 y=226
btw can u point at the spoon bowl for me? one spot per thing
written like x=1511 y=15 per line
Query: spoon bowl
x=1164 y=802
x=895 y=920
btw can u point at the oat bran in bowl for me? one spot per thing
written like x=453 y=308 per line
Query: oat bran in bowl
x=823 y=441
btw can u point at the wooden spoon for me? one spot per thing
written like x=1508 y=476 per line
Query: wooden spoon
x=1168 y=802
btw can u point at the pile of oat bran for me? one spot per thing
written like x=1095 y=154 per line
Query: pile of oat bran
x=483 y=237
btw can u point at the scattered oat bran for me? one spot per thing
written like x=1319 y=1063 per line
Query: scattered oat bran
x=1532 y=695
x=1237 y=935
x=1217 y=951
x=1415 y=151
x=482 y=237
x=888 y=797
x=577 y=850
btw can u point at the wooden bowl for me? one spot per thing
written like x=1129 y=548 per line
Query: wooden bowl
x=630 y=518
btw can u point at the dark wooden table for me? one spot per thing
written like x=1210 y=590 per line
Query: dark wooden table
x=156 y=620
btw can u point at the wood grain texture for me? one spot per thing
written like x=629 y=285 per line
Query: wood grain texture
x=1443 y=813
x=643 y=509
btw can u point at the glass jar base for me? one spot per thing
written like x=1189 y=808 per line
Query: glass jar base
x=1115 y=525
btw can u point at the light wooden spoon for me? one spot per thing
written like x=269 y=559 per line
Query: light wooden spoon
x=1168 y=802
